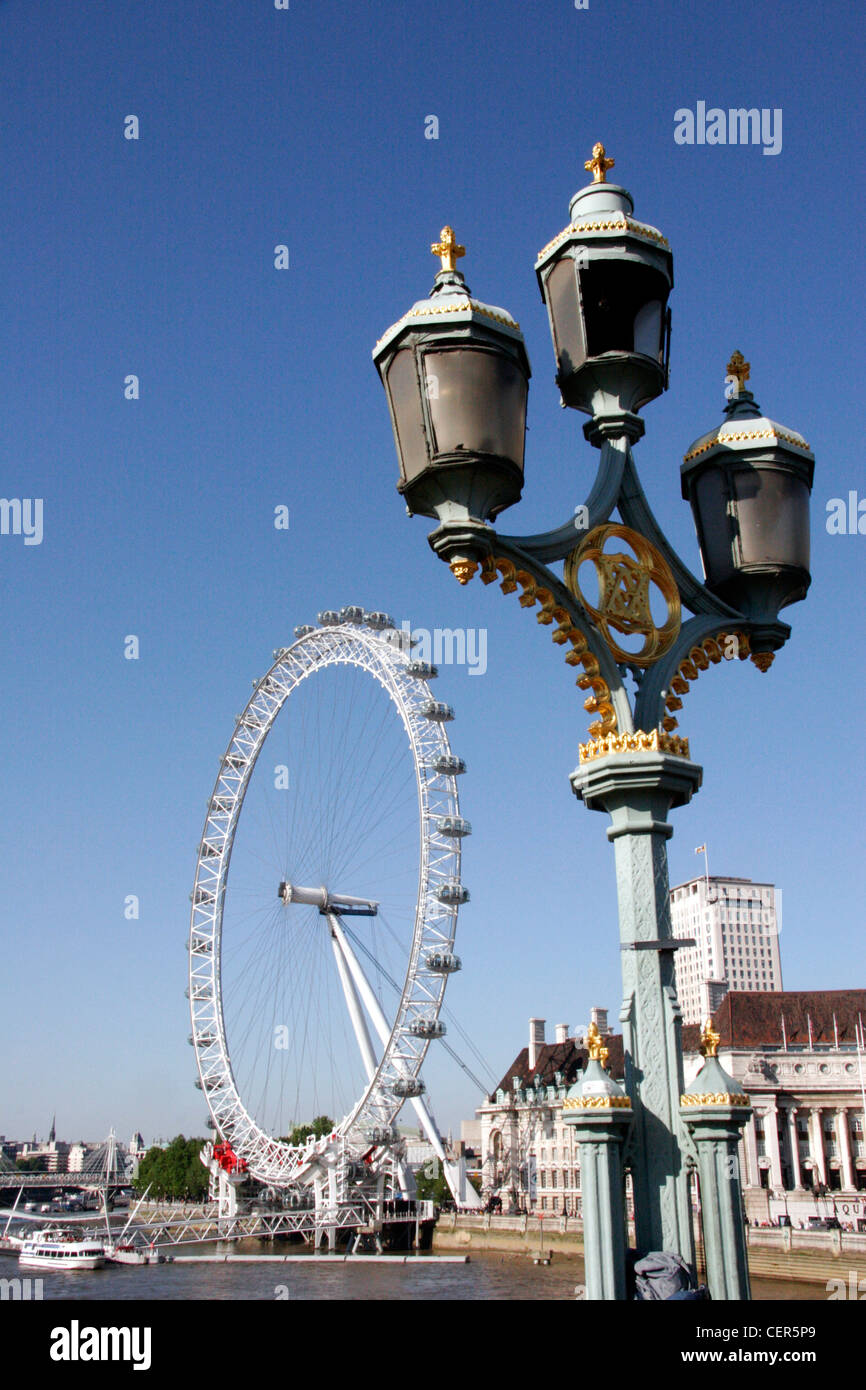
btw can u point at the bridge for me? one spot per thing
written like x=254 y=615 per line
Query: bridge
x=359 y=1217
x=49 y=1182
x=104 y=1170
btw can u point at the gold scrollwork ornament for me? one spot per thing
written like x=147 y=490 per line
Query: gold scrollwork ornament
x=624 y=592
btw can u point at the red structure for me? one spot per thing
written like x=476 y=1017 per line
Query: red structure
x=228 y=1159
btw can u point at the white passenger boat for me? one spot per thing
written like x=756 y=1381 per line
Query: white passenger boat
x=133 y=1254
x=61 y=1250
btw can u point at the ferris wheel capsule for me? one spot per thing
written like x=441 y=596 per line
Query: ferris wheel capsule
x=436 y=710
x=408 y=1086
x=449 y=765
x=454 y=826
x=443 y=963
x=378 y=621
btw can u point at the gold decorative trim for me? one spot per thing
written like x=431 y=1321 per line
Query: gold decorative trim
x=763 y=660
x=611 y=224
x=624 y=592
x=719 y=438
x=641 y=741
x=710 y=1040
x=461 y=309
x=596 y=1103
x=463 y=570
x=740 y=368
x=446 y=248
x=595 y=1045
x=599 y=165
x=711 y=649
x=565 y=633
x=715 y=1098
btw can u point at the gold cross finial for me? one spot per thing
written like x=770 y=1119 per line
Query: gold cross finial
x=595 y=1045
x=740 y=368
x=447 y=248
x=598 y=165
x=709 y=1040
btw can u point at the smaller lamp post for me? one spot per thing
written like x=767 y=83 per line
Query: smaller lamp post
x=456 y=375
x=715 y=1113
x=600 y=1114
x=605 y=281
x=748 y=482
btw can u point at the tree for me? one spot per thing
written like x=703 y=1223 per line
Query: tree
x=321 y=1125
x=175 y=1172
x=431 y=1184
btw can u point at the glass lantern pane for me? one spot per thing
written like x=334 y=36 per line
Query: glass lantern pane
x=714 y=526
x=773 y=511
x=405 y=397
x=477 y=403
x=620 y=300
x=648 y=329
x=563 y=302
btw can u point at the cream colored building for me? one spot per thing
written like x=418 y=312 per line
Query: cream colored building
x=735 y=925
x=528 y=1156
x=795 y=1055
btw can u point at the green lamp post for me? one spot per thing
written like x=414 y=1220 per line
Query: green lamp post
x=455 y=372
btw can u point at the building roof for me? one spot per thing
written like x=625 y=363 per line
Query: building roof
x=568 y=1058
x=755 y=1018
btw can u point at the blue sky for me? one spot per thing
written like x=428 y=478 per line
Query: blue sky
x=306 y=127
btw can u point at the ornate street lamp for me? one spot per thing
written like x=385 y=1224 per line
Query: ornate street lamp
x=748 y=482
x=605 y=280
x=456 y=375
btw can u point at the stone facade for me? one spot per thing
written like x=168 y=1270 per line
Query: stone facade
x=795 y=1055
x=529 y=1159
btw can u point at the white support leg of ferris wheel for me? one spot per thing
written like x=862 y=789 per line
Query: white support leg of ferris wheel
x=354 y=1007
x=341 y=951
x=455 y=1175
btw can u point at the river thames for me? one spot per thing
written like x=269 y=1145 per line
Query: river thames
x=488 y=1277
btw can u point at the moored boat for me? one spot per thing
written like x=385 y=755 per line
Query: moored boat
x=131 y=1254
x=61 y=1250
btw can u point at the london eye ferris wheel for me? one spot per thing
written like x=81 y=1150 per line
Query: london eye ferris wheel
x=325 y=904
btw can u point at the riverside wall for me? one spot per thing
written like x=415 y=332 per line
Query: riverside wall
x=808 y=1256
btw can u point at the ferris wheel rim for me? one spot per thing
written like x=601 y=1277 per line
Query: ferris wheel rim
x=435 y=917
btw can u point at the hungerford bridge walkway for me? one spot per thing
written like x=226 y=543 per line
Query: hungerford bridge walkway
x=105 y=1169
x=361 y=1217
